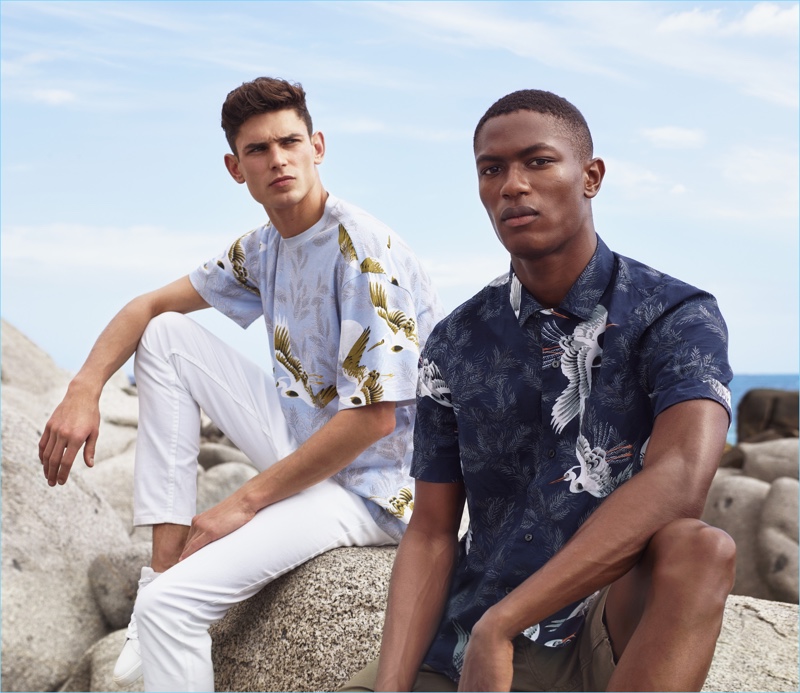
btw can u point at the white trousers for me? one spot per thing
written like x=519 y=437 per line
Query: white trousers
x=180 y=368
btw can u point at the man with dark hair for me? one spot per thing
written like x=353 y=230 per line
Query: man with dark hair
x=579 y=405
x=347 y=307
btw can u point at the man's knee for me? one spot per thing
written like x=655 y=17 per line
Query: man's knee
x=692 y=557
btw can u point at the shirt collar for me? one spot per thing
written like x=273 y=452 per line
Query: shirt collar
x=583 y=295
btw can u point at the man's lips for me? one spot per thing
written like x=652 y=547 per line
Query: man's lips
x=280 y=181
x=518 y=216
x=514 y=212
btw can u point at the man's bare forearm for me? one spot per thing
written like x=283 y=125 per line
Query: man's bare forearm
x=118 y=341
x=420 y=584
x=343 y=438
x=673 y=485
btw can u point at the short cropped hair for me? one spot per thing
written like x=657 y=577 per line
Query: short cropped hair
x=540 y=101
x=262 y=95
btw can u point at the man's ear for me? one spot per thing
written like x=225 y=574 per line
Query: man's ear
x=232 y=164
x=318 y=142
x=593 y=174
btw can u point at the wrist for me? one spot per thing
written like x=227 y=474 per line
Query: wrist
x=83 y=385
x=495 y=625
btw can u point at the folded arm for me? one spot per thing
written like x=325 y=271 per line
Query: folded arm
x=76 y=420
x=682 y=456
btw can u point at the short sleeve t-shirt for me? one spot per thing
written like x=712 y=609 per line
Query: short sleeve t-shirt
x=347 y=308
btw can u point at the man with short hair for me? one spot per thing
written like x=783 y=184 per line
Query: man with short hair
x=347 y=307
x=579 y=404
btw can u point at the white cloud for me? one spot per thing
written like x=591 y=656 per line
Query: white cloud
x=763 y=19
x=62 y=247
x=671 y=137
x=633 y=180
x=53 y=97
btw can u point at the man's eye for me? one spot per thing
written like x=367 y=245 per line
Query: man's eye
x=490 y=170
x=540 y=162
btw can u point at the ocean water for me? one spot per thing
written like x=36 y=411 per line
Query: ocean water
x=743 y=383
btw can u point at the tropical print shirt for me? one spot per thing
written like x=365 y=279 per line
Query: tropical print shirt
x=542 y=413
x=347 y=308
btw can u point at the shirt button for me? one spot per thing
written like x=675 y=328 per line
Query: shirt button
x=551 y=453
x=528 y=537
x=556 y=364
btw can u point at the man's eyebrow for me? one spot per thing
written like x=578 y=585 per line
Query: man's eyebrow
x=265 y=143
x=528 y=151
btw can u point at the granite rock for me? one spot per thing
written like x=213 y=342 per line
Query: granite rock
x=767 y=410
x=95 y=670
x=221 y=481
x=757 y=649
x=212 y=454
x=50 y=538
x=777 y=540
x=309 y=630
x=734 y=504
x=772 y=459
x=114 y=578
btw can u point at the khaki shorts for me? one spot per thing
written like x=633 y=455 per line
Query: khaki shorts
x=586 y=665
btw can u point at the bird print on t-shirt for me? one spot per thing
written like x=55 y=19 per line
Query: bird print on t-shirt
x=402 y=328
x=367 y=387
x=296 y=382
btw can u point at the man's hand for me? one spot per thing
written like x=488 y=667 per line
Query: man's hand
x=75 y=422
x=488 y=660
x=216 y=522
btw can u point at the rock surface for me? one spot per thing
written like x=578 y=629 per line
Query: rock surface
x=113 y=577
x=767 y=410
x=50 y=537
x=309 y=630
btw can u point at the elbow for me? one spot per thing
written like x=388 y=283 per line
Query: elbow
x=383 y=419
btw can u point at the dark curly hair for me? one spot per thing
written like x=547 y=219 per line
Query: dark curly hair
x=540 y=101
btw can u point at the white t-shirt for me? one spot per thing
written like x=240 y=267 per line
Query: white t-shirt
x=347 y=308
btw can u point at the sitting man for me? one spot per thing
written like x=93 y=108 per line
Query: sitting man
x=347 y=307
x=579 y=404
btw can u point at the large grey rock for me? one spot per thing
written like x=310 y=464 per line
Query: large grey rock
x=50 y=537
x=777 y=540
x=212 y=454
x=220 y=482
x=757 y=648
x=114 y=578
x=95 y=670
x=771 y=460
x=309 y=630
x=25 y=365
x=734 y=504
x=112 y=478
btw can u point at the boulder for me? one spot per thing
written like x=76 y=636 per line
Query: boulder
x=757 y=648
x=777 y=540
x=310 y=629
x=114 y=578
x=50 y=538
x=764 y=410
x=95 y=670
x=220 y=482
x=734 y=504
x=772 y=459
x=25 y=365
x=212 y=454
x=112 y=478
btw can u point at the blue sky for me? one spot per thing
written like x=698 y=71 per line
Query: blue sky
x=112 y=155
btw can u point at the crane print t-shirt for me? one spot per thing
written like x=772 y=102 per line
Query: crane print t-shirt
x=347 y=308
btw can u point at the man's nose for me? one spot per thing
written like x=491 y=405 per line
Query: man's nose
x=278 y=159
x=515 y=184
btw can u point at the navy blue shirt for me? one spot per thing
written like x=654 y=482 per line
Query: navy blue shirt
x=542 y=413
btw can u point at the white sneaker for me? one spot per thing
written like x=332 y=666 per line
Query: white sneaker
x=128 y=668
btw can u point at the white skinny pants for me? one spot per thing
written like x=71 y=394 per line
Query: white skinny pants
x=180 y=368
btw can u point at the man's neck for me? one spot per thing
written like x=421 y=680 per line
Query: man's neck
x=549 y=278
x=294 y=220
